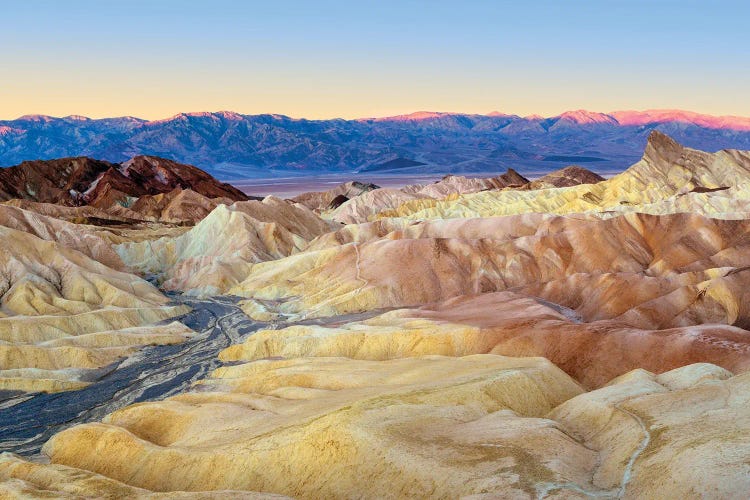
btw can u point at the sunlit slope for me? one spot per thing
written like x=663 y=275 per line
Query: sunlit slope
x=428 y=426
x=654 y=271
x=367 y=204
x=218 y=252
x=22 y=479
x=330 y=421
x=63 y=313
x=668 y=179
x=80 y=237
x=509 y=324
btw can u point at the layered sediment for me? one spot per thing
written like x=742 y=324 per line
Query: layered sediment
x=567 y=337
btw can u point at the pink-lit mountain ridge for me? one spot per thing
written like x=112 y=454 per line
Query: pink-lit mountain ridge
x=231 y=145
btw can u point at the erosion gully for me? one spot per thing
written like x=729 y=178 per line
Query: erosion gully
x=27 y=421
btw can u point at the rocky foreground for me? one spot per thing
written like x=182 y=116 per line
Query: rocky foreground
x=567 y=337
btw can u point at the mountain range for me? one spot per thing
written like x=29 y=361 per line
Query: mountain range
x=235 y=146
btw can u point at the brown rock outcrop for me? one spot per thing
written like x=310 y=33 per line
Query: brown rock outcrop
x=178 y=205
x=322 y=200
x=85 y=181
x=566 y=177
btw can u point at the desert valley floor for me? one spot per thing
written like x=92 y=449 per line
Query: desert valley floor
x=164 y=334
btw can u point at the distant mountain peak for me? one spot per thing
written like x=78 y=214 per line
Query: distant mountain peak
x=236 y=146
x=196 y=114
x=581 y=117
x=651 y=116
x=416 y=116
x=229 y=115
x=77 y=118
x=35 y=118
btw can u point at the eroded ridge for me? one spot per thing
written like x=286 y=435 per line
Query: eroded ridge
x=567 y=337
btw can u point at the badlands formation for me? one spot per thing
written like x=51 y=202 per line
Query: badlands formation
x=566 y=337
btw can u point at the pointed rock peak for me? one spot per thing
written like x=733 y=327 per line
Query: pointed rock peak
x=661 y=146
x=571 y=175
x=578 y=171
x=513 y=177
x=215 y=217
x=222 y=208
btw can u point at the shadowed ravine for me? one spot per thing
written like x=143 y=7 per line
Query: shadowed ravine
x=156 y=372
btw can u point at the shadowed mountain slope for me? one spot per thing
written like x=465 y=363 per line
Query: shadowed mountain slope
x=235 y=146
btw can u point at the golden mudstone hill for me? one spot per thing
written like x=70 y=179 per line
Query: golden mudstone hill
x=219 y=251
x=458 y=184
x=178 y=205
x=648 y=271
x=23 y=479
x=424 y=426
x=509 y=324
x=306 y=411
x=369 y=203
x=569 y=337
x=63 y=313
x=85 y=239
x=670 y=178
x=115 y=215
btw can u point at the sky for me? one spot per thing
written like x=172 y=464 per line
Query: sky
x=351 y=59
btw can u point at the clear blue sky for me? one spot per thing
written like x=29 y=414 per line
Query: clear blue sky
x=352 y=59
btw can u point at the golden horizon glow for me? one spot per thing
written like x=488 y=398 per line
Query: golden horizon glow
x=348 y=60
